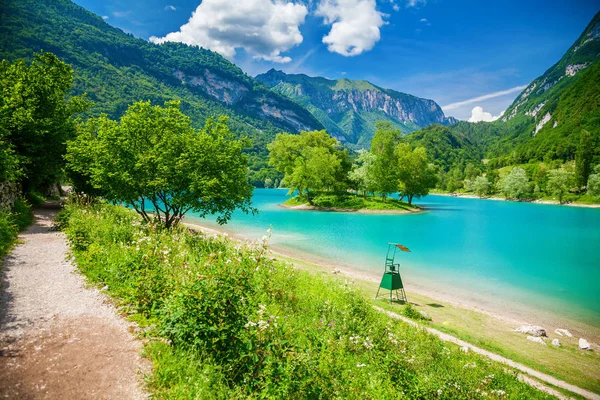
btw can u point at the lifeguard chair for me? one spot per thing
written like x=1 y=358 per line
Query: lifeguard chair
x=391 y=279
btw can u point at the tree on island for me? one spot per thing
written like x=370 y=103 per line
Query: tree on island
x=559 y=183
x=310 y=161
x=154 y=156
x=515 y=185
x=416 y=175
x=383 y=148
x=362 y=172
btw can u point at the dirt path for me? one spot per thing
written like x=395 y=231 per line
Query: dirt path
x=59 y=339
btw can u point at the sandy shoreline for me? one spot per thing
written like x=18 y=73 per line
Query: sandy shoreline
x=306 y=207
x=505 y=312
x=547 y=202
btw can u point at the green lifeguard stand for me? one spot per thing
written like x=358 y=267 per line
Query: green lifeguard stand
x=391 y=279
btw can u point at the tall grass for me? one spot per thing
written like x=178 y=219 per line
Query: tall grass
x=13 y=222
x=238 y=324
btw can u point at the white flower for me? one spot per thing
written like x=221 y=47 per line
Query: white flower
x=361 y=365
x=368 y=343
x=439 y=392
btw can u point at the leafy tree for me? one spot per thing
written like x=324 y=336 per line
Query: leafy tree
x=559 y=183
x=583 y=158
x=416 y=175
x=385 y=171
x=362 y=172
x=309 y=161
x=153 y=156
x=481 y=186
x=36 y=119
x=593 y=184
x=515 y=185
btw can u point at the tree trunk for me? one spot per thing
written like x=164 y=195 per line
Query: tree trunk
x=410 y=197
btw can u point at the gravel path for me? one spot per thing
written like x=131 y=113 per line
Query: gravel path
x=520 y=367
x=59 y=339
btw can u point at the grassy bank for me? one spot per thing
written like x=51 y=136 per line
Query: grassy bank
x=11 y=223
x=239 y=324
x=350 y=202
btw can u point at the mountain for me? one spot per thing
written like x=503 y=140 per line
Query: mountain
x=115 y=69
x=546 y=120
x=349 y=108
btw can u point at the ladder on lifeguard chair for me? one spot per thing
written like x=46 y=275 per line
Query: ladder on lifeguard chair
x=391 y=279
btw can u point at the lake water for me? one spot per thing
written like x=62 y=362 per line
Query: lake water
x=506 y=253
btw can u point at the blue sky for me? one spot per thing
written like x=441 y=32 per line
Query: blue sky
x=462 y=54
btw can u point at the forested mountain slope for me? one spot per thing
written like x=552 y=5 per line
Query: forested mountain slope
x=116 y=69
x=546 y=121
x=349 y=108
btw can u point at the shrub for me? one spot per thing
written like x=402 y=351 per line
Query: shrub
x=240 y=323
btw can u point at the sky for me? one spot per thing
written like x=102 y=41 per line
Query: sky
x=471 y=57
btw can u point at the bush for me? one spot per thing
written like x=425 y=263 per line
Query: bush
x=240 y=324
x=11 y=223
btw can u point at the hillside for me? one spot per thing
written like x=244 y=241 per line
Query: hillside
x=116 y=69
x=545 y=121
x=349 y=108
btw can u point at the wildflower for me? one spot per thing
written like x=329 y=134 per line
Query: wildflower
x=368 y=343
x=360 y=365
x=439 y=392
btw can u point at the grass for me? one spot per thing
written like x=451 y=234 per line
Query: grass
x=567 y=363
x=353 y=202
x=229 y=321
x=11 y=223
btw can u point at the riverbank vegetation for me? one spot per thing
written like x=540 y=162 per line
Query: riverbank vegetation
x=314 y=162
x=224 y=320
x=11 y=223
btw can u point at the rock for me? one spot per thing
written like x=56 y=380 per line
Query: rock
x=536 y=339
x=532 y=330
x=335 y=271
x=425 y=315
x=584 y=345
x=562 y=332
x=555 y=342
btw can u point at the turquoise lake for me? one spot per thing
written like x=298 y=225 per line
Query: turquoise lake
x=545 y=256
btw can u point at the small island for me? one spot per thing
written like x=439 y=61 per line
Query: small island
x=324 y=177
x=351 y=203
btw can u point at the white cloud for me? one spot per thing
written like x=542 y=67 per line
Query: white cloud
x=354 y=25
x=477 y=115
x=121 y=14
x=105 y=17
x=415 y=3
x=423 y=19
x=170 y=8
x=263 y=28
x=478 y=99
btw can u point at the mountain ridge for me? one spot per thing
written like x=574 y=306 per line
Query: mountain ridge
x=349 y=108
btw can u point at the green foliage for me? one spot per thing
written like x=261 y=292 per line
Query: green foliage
x=361 y=175
x=583 y=158
x=154 y=156
x=309 y=161
x=116 y=69
x=515 y=185
x=559 y=183
x=36 y=119
x=11 y=222
x=416 y=175
x=385 y=171
x=285 y=333
x=593 y=183
x=481 y=186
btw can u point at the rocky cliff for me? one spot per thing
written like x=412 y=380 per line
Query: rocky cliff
x=349 y=109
